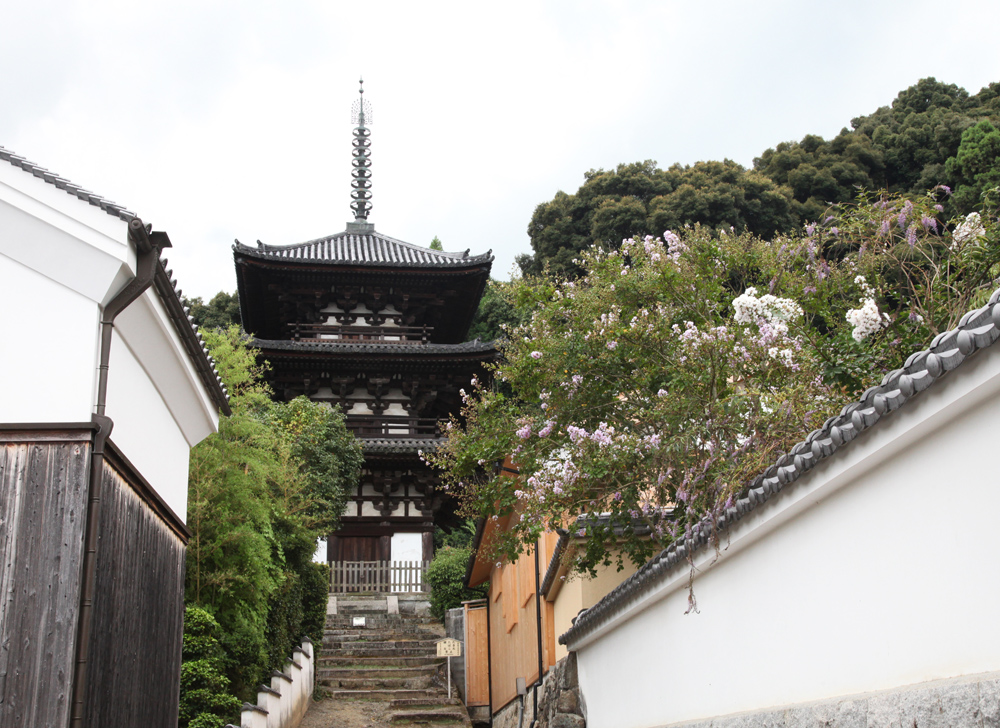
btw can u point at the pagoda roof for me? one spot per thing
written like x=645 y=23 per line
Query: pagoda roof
x=365 y=249
x=338 y=347
x=393 y=446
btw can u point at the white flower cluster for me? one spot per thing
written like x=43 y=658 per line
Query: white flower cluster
x=784 y=356
x=866 y=288
x=968 y=230
x=767 y=309
x=865 y=320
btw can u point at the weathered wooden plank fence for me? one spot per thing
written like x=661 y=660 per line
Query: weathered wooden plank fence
x=378 y=576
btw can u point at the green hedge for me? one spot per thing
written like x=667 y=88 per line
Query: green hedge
x=446 y=575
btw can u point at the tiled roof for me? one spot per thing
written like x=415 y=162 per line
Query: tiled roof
x=180 y=315
x=977 y=330
x=364 y=248
x=469 y=347
x=64 y=184
x=399 y=445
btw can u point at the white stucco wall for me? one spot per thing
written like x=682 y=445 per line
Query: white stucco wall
x=145 y=430
x=61 y=261
x=878 y=569
x=407 y=547
x=48 y=348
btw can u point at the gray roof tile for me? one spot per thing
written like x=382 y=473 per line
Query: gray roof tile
x=399 y=444
x=368 y=248
x=108 y=206
x=339 y=347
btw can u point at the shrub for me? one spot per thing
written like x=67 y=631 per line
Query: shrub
x=205 y=700
x=446 y=575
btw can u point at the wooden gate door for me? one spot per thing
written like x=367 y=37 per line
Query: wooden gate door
x=366 y=554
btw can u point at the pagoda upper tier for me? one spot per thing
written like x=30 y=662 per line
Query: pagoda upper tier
x=361 y=286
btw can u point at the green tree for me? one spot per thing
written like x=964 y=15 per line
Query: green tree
x=221 y=312
x=496 y=310
x=446 y=576
x=436 y=244
x=975 y=168
x=640 y=199
x=261 y=491
x=820 y=173
x=331 y=457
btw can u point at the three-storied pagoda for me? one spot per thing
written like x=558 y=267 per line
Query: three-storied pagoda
x=377 y=327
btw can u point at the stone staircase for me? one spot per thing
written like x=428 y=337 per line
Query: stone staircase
x=389 y=658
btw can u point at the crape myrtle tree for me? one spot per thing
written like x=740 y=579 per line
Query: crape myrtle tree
x=261 y=491
x=675 y=369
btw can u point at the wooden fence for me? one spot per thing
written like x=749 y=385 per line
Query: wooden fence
x=378 y=576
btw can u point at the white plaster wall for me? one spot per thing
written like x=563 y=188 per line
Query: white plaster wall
x=407 y=547
x=880 y=568
x=48 y=348
x=70 y=241
x=146 y=329
x=319 y=557
x=61 y=261
x=145 y=430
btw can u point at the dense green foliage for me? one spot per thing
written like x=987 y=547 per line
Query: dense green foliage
x=205 y=698
x=459 y=536
x=261 y=491
x=906 y=148
x=496 y=310
x=975 y=168
x=436 y=244
x=655 y=386
x=641 y=198
x=220 y=313
x=328 y=452
x=446 y=575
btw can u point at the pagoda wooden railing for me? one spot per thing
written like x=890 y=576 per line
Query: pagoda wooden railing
x=393 y=426
x=378 y=576
x=335 y=332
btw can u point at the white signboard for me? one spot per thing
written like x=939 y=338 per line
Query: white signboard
x=449 y=648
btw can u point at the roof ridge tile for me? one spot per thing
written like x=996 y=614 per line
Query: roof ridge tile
x=373 y=248
x=64 y=184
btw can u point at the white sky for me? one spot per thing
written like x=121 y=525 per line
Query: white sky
x=221 y=120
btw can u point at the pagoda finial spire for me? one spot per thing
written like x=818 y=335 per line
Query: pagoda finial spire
x=361 y=115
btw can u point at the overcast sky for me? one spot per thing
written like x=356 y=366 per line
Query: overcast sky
x=222 y=120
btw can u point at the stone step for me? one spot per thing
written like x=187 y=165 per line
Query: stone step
x=430 y=700
x=406 y=644
x=386 y=652
x=387 y=695
x=374 y=621
x=381 y=616
x=377 y=683
x=347 y=661
x=361 y=609
x=376 y=633
x=429 y=715
x=376 y=672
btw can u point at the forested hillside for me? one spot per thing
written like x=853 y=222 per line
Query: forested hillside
x=932 y=133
